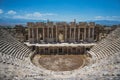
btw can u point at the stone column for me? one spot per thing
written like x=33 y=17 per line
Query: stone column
x=84 y=33
x=56 y=34
x=93 y=33
x=76 y=50
x=48 y=50
x=66 y=50
x=62 y=50
x=65 y=34
x=29 y=34
x=32 y=34
x=89 y=33
x=43 y=34
x=82 y=36
x=48 y=32
x=70 y=33
x=37 y=35
x=74 y=33
x=53 y=50
x=71 y=50
x=52 y=32
x=43 y=50
x=57 y=50
x=39 y=50
x=78 y=34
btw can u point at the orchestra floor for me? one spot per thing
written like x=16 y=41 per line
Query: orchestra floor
x=60 y=62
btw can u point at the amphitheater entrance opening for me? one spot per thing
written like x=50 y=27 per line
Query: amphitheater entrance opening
x=88 y=49
x=60 y=58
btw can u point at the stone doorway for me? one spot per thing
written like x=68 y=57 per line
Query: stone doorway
x=61 y=36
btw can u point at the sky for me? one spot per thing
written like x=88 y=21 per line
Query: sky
x=60 y=10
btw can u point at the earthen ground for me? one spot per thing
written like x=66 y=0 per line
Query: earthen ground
x=60 y=62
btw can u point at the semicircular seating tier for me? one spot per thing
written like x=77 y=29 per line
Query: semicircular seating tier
x=10 y=46
x=15 y=61
x=108 y=46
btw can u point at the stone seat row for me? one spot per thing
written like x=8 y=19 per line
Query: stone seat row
x=5 y=35
x=112 y=48
x=100 y=46
x=104 y=47
x=111 y=37
x=10 y=60
x=13 y=47
x=102 y=68
x=10 y=73
x=9 y=49
x=27 y=52
x=86 y=71
x=7 y=59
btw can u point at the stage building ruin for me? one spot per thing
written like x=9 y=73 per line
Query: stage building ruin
x=70 y=37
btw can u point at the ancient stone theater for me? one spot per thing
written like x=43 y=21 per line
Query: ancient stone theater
x=60 y=51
